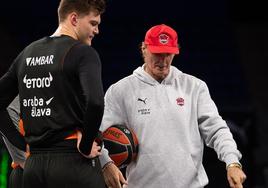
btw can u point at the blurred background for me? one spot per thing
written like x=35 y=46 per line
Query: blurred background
x=222 y=42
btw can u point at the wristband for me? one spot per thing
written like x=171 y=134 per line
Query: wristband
x=107 y=164
x=237 y=165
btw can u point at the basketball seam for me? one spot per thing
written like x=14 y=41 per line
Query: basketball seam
x=118 y=142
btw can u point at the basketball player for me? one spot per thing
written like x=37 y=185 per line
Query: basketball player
x=10 y=117
x=172 y=114
x=58 y=79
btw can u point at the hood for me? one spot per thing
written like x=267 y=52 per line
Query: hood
x=147 y=78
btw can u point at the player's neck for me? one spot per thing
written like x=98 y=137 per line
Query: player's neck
x=64 y=29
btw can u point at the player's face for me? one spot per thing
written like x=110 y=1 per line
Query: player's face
x=157 y=64
x=88 y=27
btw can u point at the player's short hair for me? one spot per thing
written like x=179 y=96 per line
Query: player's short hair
x=81 y=7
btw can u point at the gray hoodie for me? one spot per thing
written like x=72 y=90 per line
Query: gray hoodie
x=18 y=156
x=172 y=120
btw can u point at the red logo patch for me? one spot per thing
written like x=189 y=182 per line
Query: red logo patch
x=163 y=39
x=180 y=101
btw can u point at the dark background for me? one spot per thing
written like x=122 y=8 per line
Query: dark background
x=222 y=42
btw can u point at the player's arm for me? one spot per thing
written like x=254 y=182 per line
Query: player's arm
x=89 y=72
x=18 y=156
x=9 y=131
x=8 y=91
x=9 y=84
x=8 y=87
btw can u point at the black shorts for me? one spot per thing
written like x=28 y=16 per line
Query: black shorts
x=62 y=169
x=15 y=178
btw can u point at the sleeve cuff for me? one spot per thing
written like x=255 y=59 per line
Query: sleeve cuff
x=104 y=157
x=231 y=158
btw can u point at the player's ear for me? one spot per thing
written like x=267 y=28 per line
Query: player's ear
x=73 y=18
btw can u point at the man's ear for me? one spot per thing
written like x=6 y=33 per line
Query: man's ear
x=143 y=46
x=73 y=18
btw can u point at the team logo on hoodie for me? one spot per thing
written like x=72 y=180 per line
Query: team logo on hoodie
x=180 y=101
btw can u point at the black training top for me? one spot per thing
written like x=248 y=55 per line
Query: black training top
x=59 y=83
x=9 y=131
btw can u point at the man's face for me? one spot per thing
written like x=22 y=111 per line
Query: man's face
x=88 y=27
x=157 y=64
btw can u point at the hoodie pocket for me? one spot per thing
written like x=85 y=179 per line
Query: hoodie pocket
x=173 y=169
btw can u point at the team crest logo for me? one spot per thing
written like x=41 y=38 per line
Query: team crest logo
x=180 y=101
x=163 y=39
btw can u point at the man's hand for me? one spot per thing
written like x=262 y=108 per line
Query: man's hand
x=236 y=177
x=113 y=176
x=95 y=149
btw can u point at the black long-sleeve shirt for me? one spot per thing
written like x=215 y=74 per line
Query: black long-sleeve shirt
x=9 y=131
x=60 y=87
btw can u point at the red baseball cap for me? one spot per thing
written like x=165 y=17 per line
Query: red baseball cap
x=162 y=39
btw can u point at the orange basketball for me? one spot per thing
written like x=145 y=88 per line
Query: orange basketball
x=122 y=144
